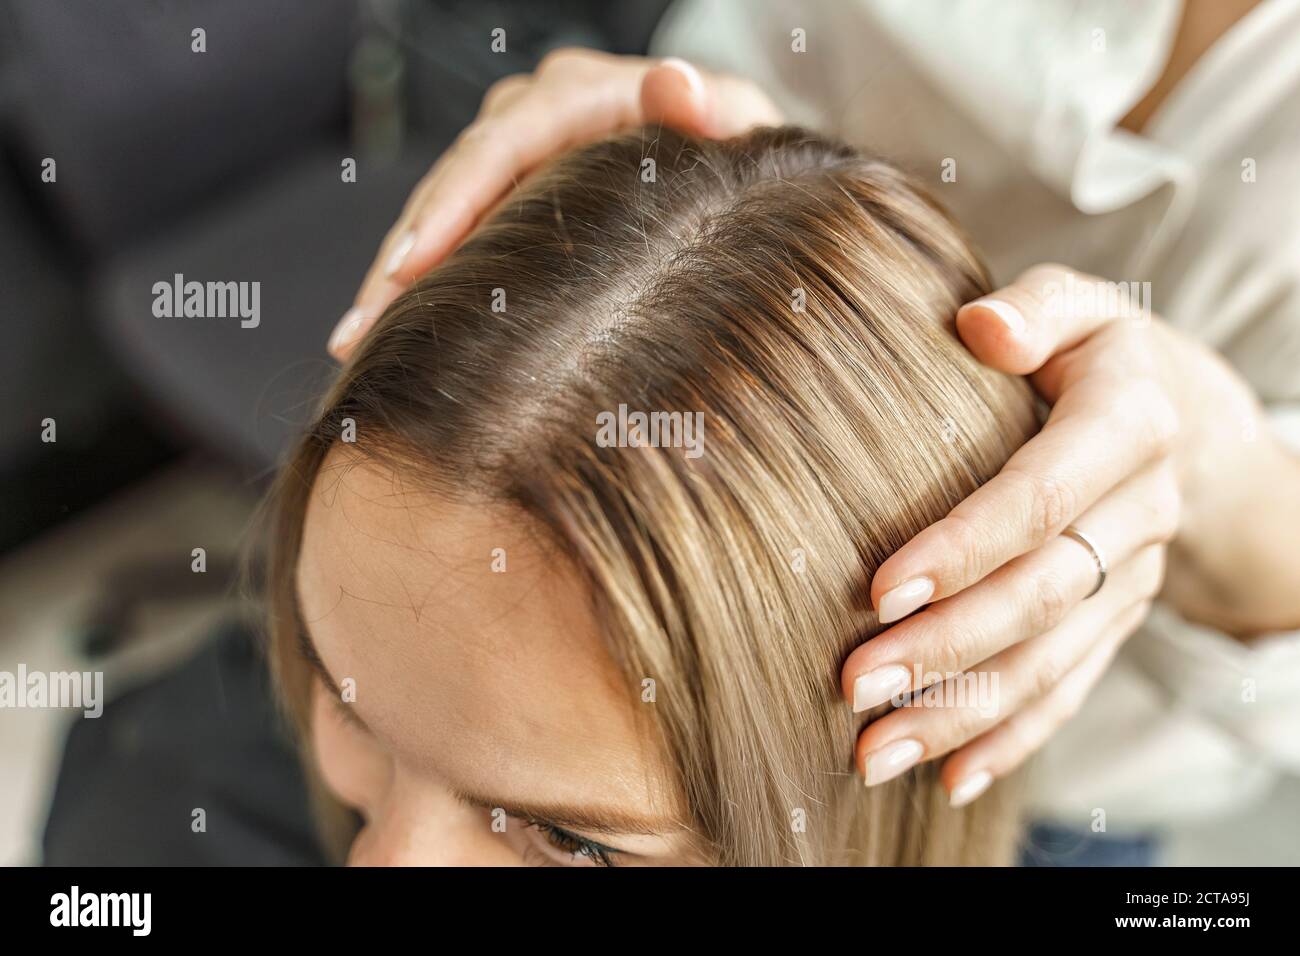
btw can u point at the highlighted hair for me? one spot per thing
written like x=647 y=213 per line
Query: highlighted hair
x=801 y=297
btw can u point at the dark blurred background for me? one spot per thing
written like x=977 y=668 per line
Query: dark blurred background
x=223 y=165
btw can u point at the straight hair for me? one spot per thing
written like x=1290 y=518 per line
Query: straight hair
x=799 y=298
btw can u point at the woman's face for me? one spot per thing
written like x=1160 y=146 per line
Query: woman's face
x=471 y=715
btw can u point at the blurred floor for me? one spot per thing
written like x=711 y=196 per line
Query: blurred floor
x=47 y=586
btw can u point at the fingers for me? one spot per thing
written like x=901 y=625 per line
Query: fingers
x=504 y=92
x=575 y=96
x=969 y=772
x=964 y=706
x=1006 y=587
x=1047 y=309
x=1026 y=597
x=501 y=147
x=675 y=93
x=678 y=95
x=1098 y=434
x=1118 y=351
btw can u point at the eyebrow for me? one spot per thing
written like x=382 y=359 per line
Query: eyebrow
x=606 y=821
x=603 y=820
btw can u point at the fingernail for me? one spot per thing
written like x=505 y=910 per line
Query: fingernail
x=691 y=74
x=901 y=601
x=400 y=252
x=345 y=333
x=891 y=760
x=876 y=687
x=1008 y=313
x=970 y=788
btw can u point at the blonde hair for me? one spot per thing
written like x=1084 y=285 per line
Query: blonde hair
x=799 y=296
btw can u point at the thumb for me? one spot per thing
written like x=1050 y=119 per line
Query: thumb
x=679 y=95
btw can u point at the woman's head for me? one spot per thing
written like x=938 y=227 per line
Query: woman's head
x=586 y=528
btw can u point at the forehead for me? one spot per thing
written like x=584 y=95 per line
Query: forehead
x=473 y=645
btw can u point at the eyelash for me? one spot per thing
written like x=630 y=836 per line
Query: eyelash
x=342 y=710
x=571 y=843
x=347 y=714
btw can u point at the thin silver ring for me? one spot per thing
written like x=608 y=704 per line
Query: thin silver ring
x=1097 y=559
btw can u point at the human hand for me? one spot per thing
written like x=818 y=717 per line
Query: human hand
x=1011 y=628
x=574 y=97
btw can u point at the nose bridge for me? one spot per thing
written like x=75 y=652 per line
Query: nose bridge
x=421 y=823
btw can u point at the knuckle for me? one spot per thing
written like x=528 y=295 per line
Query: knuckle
x=1051 y=503
x=485 y=133
x=476 y=132
x=1064 y=366
x=1166 y=424
x=1067 y=704
x=1168 y=508
x=1025 y=735
x=1145 y=402
x=1173 y=512
x=500 y=88
x=562 y=60
x=1046 y=675
x=953 y=726
x=948 y=642
x=1046 y=274
x=1049 y=602
x=966 y=548
x=1042 y=285
x=970 y=724
x=1126 y=348
x=1153 y=572
x=1139 y=336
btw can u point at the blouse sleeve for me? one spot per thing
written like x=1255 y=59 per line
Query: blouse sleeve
x=1250 y=690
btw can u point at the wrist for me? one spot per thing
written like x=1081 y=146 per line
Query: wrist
x=1235 y=563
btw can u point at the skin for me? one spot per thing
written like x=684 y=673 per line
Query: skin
x=1117 y=457
x=474 y=690
x=574 y=97
x=1202 y=24
x=1142 y=419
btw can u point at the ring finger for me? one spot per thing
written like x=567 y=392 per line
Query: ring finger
x=969 y=771
x=954 y=711
x=1026 y=597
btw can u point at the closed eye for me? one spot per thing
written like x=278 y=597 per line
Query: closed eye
x=347 y=712
x=573 y=844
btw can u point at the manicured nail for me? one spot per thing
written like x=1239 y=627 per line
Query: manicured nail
x=400 y=252
x=970 y=788
x=1008 y=313
x=876 y=687
x=691 y=75
x=347 y=331
x=904 y=599
x=891 y=760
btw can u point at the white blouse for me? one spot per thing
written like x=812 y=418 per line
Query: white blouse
x=1019 y=103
